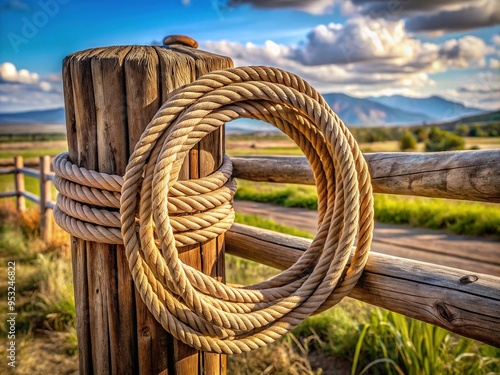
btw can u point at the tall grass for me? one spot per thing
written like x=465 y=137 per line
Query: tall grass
x=460 y=217
x=373 y=340
x=394 y=344
x=44 y=291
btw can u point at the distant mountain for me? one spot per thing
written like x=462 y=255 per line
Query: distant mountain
x=362 y=112
x=374 y=111
x=435 y=107
x=48 y=116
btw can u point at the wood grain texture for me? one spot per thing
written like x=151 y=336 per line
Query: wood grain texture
x=142 y=81
x=117 y=294
x=46 y=217
x=82 y=147
x=469 y=175
x=111 y=94
x=460 y=301
x=19 y=183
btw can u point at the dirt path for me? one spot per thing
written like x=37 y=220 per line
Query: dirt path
x=439 y=247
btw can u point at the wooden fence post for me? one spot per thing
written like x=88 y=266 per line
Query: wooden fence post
x=19 y=182
x=46 y=212
x=110 y=96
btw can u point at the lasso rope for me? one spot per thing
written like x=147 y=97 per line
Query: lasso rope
x=193 y=307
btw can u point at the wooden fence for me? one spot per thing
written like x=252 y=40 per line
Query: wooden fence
x=464 y=302
x=19 y=170
x=461 y=301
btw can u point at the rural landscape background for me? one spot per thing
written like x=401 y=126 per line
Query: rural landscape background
x=403 y=75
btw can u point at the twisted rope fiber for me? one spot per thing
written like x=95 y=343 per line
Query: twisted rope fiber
x=88 y=202
x=197 y=309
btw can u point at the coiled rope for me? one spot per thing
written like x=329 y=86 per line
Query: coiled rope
x=193 y=307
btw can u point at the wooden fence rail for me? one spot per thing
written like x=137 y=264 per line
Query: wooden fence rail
x=44 y=200
x=467 y=303
x=464 y=302
x=468 y=175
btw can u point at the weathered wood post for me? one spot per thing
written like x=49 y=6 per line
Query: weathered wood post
x=19 y=183
x=46 y=214
x=111 y=94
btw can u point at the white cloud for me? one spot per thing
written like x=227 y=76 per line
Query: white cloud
x=358 y=40
x=362 y=52
x=21 y=90
x=421 y=15
x=9 y=73
x=494 y=63
x=466 y=51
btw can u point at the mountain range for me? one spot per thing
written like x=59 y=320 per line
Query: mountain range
x=47 y=116
x=371 y=111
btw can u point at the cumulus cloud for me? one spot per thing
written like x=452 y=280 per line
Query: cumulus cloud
x=480 y=14
x=9 y=73
x=464 y=51
x=421 y=15
x=494 y=63
x=361 y=53
x=384 y=45
x=357 y=40
x=21 y=90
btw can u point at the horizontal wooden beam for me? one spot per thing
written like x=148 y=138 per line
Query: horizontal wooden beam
x=29 y=172
x=30 y=196
x=460 y=301
x=7 y=194
x=7 y=171
x=470 y=175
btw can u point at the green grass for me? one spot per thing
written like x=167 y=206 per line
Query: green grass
x=459 y=217
x=393 y=344
x=260 y=222
x=362 y=337
x=377 y=341
x=31 y=152
x=44 y=291
x=286 y=195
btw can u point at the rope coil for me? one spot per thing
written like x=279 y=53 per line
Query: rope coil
x=88 y=202
x=193 y=307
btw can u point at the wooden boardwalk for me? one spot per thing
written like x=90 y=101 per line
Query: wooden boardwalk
x=432 y=246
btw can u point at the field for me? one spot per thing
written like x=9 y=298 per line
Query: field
x=352 y=338
x=349 y=338
x=278 y=144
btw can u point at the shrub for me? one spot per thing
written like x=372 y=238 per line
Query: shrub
x=441 y=140
x=407 y=141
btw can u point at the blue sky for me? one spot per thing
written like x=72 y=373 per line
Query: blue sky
x=358 y=47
